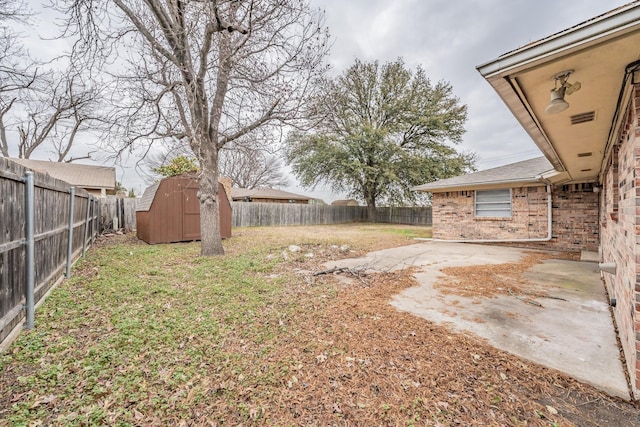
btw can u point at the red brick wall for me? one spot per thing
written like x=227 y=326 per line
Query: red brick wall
x=574 y=217
x=619 y=219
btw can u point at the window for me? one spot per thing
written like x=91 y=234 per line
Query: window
x=493 y=203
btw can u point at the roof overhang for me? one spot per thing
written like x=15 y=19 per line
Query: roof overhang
x=599 y=52
x=553 y=177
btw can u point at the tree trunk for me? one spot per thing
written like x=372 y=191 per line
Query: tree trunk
x=372 y=213
x=211 y=243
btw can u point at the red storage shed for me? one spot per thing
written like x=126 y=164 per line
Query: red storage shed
x=169 y=211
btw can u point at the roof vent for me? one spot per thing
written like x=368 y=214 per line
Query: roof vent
x=589 y=154
x=583 y=117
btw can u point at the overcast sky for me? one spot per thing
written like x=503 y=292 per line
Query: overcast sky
x=448 y=39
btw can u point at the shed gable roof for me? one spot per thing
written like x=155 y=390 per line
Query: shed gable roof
x=83 y=176
x=147 y=198
x=524 y=172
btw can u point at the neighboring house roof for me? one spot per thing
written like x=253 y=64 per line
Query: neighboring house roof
x=526 y=172
x=265 y=193
x=83 y=176
x=346 y=202
x=602 y=54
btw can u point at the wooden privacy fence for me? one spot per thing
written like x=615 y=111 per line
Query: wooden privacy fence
x=45 y=224
x=405 y=215
x=118 y=212
x=276 y=214
x=279 y=214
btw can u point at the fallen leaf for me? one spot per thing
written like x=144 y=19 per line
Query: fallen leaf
x=138 y=415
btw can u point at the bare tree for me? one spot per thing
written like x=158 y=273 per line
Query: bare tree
x=58 y=109
x=250 y=167
x=42 y=108
x=247 y=165
x=205 y=72
x=16 y=74
x=11 y=10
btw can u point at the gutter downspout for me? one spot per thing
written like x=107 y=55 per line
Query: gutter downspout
x=538 y=239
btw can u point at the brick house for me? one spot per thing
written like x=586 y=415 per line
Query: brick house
x=267 y=195
x=519 y=204
x=591 y=139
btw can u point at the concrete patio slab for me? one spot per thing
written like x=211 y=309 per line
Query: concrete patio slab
x=572 y=332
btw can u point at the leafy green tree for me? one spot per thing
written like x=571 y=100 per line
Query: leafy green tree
x=177 y=166
x=382 y=130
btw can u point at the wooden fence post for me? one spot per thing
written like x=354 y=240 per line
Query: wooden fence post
x=97 y=211
x=72 y=196
x=29 y=251
x=86 y=226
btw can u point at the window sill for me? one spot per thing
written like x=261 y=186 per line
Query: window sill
x=492 y=218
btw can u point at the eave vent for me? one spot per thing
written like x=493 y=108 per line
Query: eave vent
x=583 y=118
x=589 y=154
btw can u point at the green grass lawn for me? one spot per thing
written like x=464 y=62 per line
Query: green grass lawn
x=157 y=335
x=143 y=333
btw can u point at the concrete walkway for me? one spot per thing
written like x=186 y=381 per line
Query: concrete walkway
x=573 y=334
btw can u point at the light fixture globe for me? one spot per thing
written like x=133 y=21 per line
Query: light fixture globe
x=557 y=104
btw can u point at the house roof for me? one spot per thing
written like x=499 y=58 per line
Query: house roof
x=265 y=193
x=83 y=176
x=527 y=172
x=346 y=202
x=602 y=53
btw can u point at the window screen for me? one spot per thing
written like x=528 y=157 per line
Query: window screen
x=493 y=203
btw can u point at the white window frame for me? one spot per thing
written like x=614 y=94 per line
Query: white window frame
x=498 y=207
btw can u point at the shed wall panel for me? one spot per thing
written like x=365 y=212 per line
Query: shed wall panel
x=191 y=214
x=174 y=214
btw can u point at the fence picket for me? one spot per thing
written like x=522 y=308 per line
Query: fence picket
x=34 y=232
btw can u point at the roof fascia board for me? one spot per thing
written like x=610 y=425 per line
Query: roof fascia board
x=501 y=72
x=484 y=186
x=598 y=30
x=519 y=107
x=478 y=184
x=543 y=178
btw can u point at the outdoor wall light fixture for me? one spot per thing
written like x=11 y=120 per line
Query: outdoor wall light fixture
x=560 y=89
